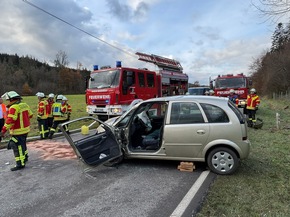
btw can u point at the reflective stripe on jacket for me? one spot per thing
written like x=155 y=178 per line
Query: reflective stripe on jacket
x=253 y=101
x=18 y=119
x=41 y=109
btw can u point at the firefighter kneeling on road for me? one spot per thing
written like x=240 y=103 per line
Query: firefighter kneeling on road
x=42 y=115
x=253 y=102
x=18 y=124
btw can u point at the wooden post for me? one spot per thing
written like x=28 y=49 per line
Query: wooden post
x=278 y=121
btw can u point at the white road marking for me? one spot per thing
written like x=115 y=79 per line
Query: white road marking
x=189 y=196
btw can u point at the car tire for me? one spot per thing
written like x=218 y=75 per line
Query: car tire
x=223 y=161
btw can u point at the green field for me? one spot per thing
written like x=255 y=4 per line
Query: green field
x=76 y=101
x=261 y=186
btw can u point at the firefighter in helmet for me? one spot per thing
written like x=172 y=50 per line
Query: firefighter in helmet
x=211 y=92
x=233 y=97
x=253 y=102
x=58 y=115
x=18 y=124
x=66 y=110
x=50 y=101
x=42 y=115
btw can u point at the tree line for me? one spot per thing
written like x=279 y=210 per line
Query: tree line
x=271 y=71
x=27 y=76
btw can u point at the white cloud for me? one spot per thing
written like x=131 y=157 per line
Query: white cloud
x=207 y=37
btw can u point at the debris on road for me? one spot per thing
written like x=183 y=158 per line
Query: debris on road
x=186 y=166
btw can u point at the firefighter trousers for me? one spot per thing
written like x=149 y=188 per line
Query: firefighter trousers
x=43 y=128
x=18 y=144
x=54 y=127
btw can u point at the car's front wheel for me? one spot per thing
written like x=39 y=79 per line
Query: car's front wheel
x=222 y=161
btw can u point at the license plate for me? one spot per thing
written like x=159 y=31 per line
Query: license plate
x=99 y=110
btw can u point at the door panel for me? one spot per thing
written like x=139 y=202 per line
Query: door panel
x=97 y=149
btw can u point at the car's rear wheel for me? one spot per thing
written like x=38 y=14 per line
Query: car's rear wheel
x=222 y=161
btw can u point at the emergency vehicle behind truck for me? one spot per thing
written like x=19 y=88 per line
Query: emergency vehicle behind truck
x=111 y=91
x=239 y=82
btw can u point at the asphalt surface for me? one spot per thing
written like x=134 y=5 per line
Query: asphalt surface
x=56 y=183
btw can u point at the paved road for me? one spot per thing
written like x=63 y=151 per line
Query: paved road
x=56 y=186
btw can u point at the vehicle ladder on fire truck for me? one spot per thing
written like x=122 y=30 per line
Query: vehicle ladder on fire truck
x=162 y=62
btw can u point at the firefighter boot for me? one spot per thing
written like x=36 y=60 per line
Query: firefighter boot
x=17 y=168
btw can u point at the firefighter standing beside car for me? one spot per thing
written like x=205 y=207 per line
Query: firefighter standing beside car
x=50 y=101
x=253 y=102
x=18 y=124
x=66 y=110
x=42 y=115
x=58 y=115
x=233 y=97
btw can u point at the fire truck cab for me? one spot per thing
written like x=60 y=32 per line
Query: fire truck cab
x=239 y=82
x=111 y=91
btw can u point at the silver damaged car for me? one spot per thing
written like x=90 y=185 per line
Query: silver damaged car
x=181 y=128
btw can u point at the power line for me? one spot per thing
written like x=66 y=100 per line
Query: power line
x=62 y=20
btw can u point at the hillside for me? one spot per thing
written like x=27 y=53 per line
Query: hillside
x=27 y=76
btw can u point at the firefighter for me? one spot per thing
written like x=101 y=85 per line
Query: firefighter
x=206 y=93
x=253 y=102
x=66 y=110
x=50 y=101
x=233 y=97
x=18 y=123
x=58 y=116
x=211 y=92
x=42 y=115
x=3 y=113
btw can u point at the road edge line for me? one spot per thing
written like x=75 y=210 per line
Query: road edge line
x=180 y=209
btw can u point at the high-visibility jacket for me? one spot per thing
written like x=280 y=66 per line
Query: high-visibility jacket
x=18 y=119
x=66 y=110
x=253 y=101
x=49 y=108
x=56 y=111
x=4 y=110
x=41 y=109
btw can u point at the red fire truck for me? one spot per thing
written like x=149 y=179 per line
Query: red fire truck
x=111 y=91
x=240 y=83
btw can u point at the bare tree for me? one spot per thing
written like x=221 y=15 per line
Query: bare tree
x=273 y=9
x=61 y=59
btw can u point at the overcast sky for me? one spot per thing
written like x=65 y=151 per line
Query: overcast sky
x=208 y=37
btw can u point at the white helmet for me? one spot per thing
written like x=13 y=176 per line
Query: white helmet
x=253 y=90
x=232 y=90
x=64 y=98
x=40 y=94
x=211 y=91
x=11 y=95
x=51 y=95
x=59 y=97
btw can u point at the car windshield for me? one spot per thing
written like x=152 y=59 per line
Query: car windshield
x=230 y=83
x=104 y=79
x=197 y=91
